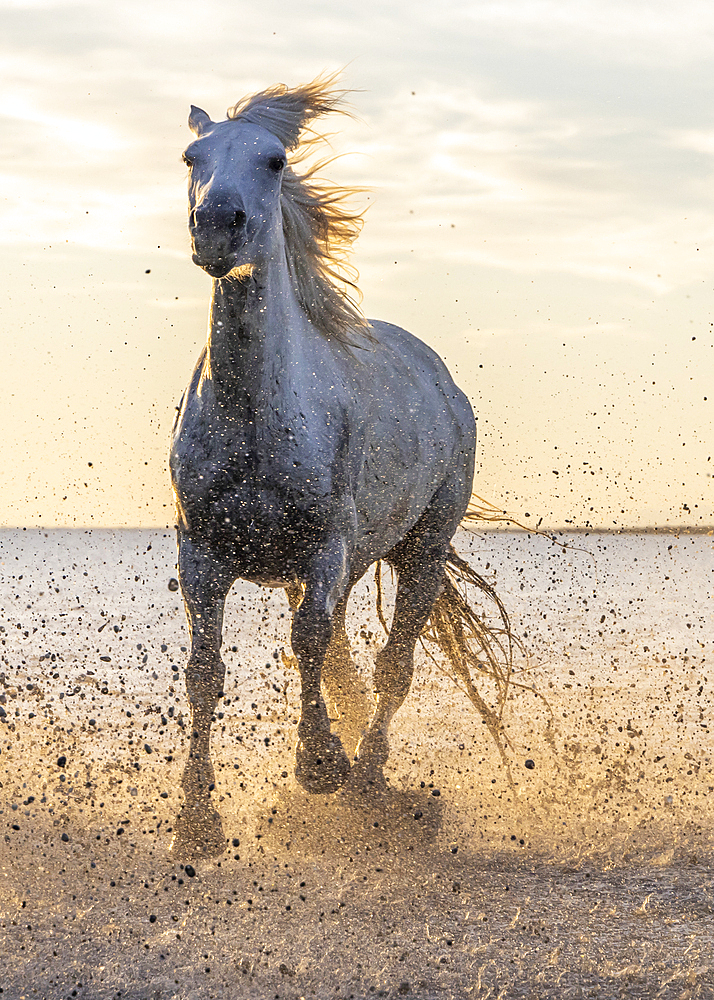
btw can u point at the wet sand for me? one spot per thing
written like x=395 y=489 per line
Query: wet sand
x=588 y=874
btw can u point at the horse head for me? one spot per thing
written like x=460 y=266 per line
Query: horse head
x=235 y=174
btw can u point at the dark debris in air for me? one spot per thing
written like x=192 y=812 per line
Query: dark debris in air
x=608 y=838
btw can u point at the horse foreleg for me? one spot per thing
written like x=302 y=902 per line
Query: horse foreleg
x=205 y=584
x=321 y=762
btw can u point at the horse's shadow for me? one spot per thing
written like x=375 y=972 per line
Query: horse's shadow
x=354 y=820
x=198 y=829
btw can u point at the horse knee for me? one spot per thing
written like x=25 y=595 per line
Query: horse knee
x=204 y=679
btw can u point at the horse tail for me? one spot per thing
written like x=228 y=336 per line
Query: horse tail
x=472 y=644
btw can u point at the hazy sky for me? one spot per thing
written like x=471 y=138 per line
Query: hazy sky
x=541 y=213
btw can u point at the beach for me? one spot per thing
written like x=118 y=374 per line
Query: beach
x=582 y=868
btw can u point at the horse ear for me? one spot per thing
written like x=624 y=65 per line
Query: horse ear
x=198 y=121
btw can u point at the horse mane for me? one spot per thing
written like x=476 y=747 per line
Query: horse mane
x=319 y=228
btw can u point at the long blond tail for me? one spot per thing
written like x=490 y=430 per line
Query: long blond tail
x=473 y=645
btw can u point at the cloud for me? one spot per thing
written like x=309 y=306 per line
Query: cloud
x=92 y=136
x=657 y=32
x=699 y=140
x=530 y=186
x=90 y=216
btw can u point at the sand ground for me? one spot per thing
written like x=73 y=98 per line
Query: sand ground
x=586 y=875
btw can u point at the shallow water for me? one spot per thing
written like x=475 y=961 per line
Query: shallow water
x=586 y=875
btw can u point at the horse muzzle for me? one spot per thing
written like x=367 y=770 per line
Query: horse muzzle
x=217 y=268
x=217 y=239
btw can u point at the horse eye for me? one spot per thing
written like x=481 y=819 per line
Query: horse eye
x=276 y=163
x=187 y=160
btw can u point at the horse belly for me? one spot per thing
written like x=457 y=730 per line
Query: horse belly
x=406 y=461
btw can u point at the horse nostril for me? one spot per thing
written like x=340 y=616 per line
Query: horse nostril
x=192 y=218
x=239 y=220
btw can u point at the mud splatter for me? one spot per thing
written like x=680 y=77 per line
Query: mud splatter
x=591 y=876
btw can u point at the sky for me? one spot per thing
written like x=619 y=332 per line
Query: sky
x=540 y=210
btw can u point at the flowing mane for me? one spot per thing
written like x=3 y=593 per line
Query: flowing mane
x=319 y=227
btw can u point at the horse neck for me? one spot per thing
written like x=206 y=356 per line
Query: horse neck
x=256 y=326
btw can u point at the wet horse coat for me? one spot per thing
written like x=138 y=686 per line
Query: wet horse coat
x=309 y=443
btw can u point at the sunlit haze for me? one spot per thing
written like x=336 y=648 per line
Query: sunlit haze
x=540 y=211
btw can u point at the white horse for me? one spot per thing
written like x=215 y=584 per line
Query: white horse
x=310 y=442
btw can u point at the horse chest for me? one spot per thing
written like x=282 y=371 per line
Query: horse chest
x=257 y=493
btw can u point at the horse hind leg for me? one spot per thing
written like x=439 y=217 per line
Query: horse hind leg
x=419 y=559
x=347 y=701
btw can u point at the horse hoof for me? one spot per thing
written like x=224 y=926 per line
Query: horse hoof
x=198 y=833
x=322 y=772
